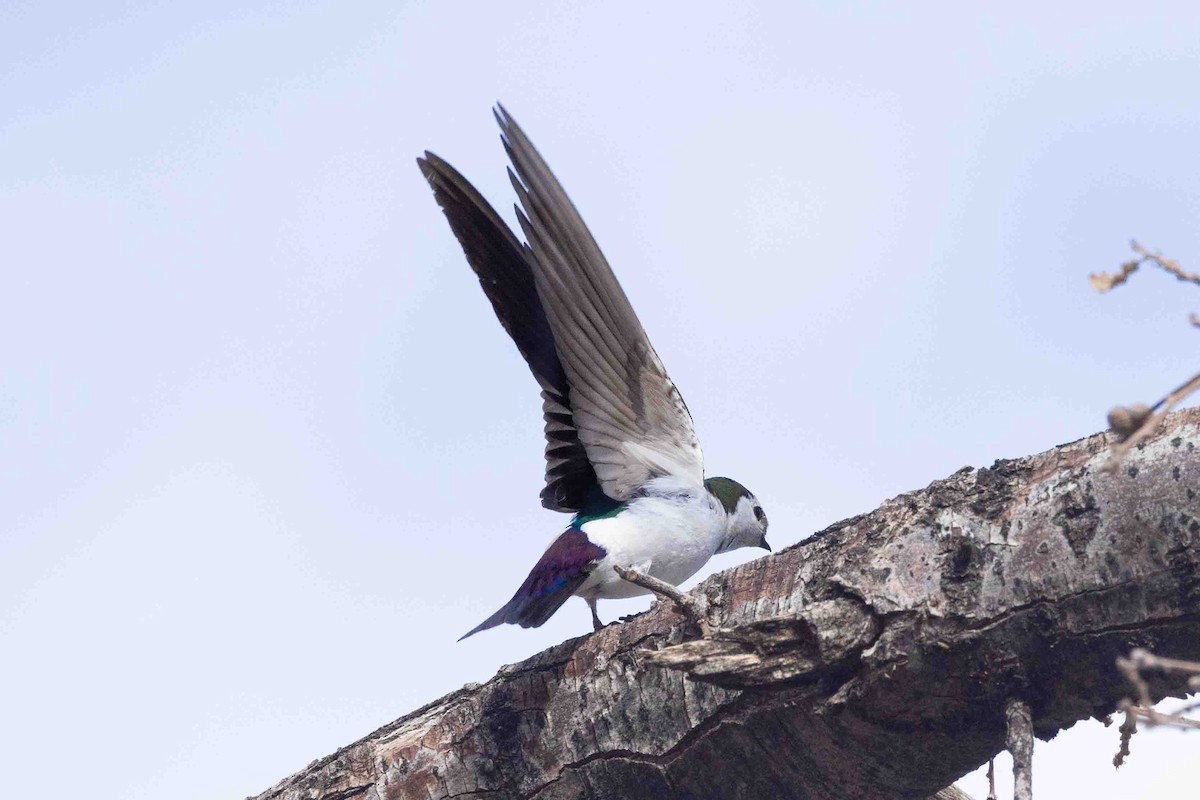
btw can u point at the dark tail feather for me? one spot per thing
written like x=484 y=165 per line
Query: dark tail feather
x=509 y=612
x=529 y=612
x=498 y=618
x=559 y=572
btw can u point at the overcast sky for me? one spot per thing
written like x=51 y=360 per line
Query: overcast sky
x=267 y=453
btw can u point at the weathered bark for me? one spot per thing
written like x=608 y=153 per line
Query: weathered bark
x=875 y=659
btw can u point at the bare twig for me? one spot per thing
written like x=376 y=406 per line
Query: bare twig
x=1134 y=423
x=1133 y=667
x=991 y=779
x=1144 y=659
x=1125 y=421
x=1169 y=264
x=687 y=606
x=1142 y=424
x=1152 y=717
x=1128 y=729
x=1104 y=282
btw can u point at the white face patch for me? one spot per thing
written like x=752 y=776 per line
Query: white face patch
x=747 y=524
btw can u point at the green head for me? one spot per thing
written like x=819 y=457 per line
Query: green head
x=747 y=523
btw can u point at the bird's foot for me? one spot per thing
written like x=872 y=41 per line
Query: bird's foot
x=692 y=610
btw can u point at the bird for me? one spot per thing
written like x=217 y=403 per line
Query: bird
x=621 y=450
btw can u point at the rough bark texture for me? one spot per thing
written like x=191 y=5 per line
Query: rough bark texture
x=875 y=659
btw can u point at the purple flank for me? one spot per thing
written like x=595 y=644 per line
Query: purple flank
x=570 y=555
x=558 y=573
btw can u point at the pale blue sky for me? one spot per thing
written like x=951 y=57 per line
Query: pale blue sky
x=266 y=451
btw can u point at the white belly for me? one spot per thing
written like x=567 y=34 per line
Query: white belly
x=670 y=539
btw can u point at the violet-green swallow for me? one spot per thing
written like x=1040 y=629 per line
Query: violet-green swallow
x=621 y=451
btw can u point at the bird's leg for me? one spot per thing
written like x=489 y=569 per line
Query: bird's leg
x=687 y=606
x=596 y=623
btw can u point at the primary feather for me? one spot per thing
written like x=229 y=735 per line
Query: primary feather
x=613 y=418
x=631 y=419
x=502 y=265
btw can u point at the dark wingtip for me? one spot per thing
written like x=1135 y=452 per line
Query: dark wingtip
x=507 y=124
x=431 y=165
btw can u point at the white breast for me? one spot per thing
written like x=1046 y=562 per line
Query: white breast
x=670 y=534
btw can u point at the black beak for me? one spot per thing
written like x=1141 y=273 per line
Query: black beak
x=763 y=544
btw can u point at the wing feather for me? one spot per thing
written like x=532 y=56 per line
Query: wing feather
x=631 y=420
x=612 y=415
x=502 y=264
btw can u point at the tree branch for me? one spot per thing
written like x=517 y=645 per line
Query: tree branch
x=873 y=660
x=1018 y=741
x=688 y=606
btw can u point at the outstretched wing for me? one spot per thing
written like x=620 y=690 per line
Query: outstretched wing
x=630 y=418
x=503 y=266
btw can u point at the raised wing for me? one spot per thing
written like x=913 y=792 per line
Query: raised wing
x=503 y=266
x=630 y=418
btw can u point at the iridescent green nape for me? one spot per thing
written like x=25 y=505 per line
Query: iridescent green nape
x=728 y=491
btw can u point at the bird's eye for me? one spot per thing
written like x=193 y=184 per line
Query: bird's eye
x=758 y=513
